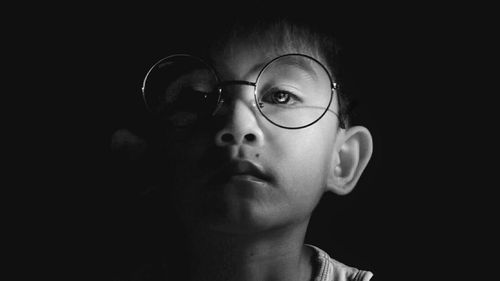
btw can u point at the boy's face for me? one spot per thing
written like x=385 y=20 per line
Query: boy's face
x=241 y=173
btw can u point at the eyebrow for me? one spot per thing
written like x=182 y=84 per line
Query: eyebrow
x=302 y=64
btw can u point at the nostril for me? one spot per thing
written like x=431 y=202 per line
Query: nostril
x=250 y=137
x=227 y=137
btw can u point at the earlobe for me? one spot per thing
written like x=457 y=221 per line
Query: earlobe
x=354 y=150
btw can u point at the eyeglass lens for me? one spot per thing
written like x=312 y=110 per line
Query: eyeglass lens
x=293 y=91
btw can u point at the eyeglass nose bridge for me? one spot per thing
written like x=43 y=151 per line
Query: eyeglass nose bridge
x=220 y=86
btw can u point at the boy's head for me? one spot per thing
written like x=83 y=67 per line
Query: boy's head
x=255 y=134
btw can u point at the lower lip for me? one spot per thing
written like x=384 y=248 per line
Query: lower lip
x=246 y=178
x=240 y=182
x=245 y=185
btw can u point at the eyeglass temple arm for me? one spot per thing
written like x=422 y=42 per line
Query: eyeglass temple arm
x=340 y=115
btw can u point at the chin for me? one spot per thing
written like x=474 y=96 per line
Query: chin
x=246 y=220
x=241 y=210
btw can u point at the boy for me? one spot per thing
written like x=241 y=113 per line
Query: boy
x=252 y=133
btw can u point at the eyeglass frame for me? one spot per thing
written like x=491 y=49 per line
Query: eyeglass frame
x=334 y=86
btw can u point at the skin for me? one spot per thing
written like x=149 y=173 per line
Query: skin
x=243 y=229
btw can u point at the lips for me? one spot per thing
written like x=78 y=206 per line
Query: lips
x=240 y=170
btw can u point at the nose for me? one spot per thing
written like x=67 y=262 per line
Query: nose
x=240 y=121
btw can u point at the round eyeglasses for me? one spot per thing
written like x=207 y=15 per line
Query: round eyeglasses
x=291 y=91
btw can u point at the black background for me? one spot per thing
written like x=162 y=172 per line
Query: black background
x=411 y=213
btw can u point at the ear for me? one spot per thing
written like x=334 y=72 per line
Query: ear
x=352 y=153
x=128 y=144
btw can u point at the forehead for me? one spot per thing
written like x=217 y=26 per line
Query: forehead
x=243 y=59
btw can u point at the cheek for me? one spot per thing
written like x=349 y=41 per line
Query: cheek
x=303 y=158
x=183 y=185
x=183 y=158
x=300 y=169
x=188 y=158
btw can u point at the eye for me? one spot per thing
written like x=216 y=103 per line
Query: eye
x=280 y=97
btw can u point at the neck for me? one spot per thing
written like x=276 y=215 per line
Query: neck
x=270 y=255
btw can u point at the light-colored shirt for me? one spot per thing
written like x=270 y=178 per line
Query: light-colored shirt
x=324 y=269
x=328 y=269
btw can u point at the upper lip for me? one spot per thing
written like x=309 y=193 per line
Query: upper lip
x=240 y=167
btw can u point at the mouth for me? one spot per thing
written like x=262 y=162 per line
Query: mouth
x=240 y=170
